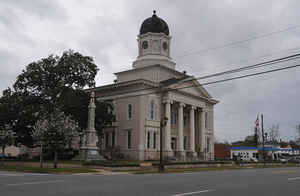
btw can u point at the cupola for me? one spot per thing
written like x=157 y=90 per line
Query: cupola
x=154 y=43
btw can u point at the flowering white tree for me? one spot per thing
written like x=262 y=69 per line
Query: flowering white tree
x=38 y=135
x=6 y=138
x=55 y=131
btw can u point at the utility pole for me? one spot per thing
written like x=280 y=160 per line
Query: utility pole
x=263 y=135
x=161 y=165
x=163 y=122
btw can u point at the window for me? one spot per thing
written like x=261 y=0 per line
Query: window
x=129 y=110
x=173 y=143
x=144 y=44
x=173 y=118
x=111 y=105
x=148 y=139
x=208 y=144
x=206 y=120
x=113 y=135
x=152 y=110
x=106 y=140
x=154 y=140
x=184 y=121
x=129 y=139
x=184 y=142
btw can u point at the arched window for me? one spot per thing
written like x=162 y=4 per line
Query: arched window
x=129 y=112
x=152 y=110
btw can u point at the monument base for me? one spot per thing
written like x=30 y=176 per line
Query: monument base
x=89 y=154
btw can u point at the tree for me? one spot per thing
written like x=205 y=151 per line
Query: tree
x=38 y=135
x=55 y=82
x=274 y=134
x=56 y=131
x=6 y=139
x=42 y=87
x=49 y=78
x=20 y=111
x=298 y=134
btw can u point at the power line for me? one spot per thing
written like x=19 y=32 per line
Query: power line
x=255 y=66
x=261 y=56
x=238 y=42
x=213 y=82
x=245 y=76
x=250 y=67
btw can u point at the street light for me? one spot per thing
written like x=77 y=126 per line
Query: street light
x=163 y=123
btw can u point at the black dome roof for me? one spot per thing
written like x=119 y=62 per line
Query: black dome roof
x=154 y=24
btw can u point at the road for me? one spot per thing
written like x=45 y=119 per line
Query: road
x=246 y=182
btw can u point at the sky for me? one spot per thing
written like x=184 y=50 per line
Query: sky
x=207 y=37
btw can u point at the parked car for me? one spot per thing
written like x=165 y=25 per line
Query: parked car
x=5 y=156
x=294 y=160
x=283 y=159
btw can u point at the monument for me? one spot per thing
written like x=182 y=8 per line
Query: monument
x=89 y=149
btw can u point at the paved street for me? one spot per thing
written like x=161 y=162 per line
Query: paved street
x=279 y=181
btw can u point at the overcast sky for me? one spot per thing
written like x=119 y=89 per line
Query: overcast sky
x=107 y=31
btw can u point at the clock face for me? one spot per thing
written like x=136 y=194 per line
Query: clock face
x=165 y=45
x=145 y=44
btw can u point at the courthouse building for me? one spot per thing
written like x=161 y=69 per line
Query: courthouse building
x=153 y=89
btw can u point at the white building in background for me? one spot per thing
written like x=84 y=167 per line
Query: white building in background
x=245 y=153
x=139 y=105
x=12 y=151
x=248 y=153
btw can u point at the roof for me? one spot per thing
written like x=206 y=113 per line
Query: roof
x=173 y=80
x=173 y=83
x=243 y=148
x=151 y=67
x=154 y=24
x=260 y=148
x=123 y=84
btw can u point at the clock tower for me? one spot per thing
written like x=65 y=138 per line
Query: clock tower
x=154 y=44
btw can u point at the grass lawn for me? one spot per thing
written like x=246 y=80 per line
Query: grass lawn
x=114 y=163
x=45 y=170
x=182 y=170
x=70 y=162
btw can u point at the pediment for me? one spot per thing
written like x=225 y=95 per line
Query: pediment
x=192 y=87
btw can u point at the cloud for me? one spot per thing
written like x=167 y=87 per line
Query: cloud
x=43 y=10
x=107 y=30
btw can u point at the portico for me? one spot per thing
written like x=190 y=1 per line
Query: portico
x=189 y=119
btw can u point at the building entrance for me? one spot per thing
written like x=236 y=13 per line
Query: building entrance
x=174 y=143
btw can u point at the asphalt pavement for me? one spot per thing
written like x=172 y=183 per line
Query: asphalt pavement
x=245 y=182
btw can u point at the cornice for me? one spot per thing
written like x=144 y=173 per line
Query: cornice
x=123 y=84
x=213 y=101
x=150 y=67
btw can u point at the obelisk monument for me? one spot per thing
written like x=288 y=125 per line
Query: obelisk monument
x=89 y=150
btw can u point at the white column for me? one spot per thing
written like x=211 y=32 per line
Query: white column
x=211 y=116
x=192 y=129
x=167 y=132
x=202 y=131
x=180 y=127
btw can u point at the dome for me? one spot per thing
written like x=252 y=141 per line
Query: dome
x=154 y=24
